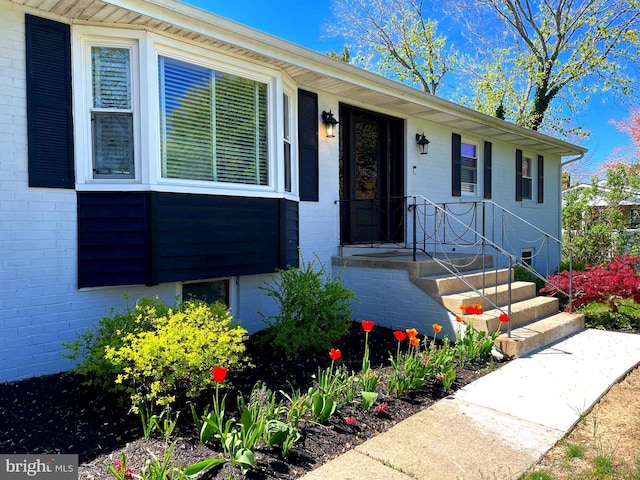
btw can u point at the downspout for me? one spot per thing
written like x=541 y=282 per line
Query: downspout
x=561 y=166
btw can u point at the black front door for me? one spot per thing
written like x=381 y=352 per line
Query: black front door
x=371 y=177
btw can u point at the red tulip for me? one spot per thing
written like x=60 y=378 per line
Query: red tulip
x=504 y=317
x=400 y=336
x=367 y=325
x=219 y=374
x=335 y=354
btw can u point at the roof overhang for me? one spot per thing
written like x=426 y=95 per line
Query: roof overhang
x=307 y=68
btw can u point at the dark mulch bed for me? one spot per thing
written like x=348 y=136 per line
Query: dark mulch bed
x=58 y=414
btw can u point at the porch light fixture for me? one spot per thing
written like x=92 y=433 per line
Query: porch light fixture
x=330 y=123
x=423 y=142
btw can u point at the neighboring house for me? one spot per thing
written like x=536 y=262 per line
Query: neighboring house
x=151 y=148
x=629 y=206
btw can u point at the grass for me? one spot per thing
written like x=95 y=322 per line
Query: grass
x=574 y=451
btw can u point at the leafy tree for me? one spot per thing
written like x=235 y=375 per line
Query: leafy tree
x=571 y=48
x=595 y=217
x=397 y=40
x=630 y=126
x=524 y=56
x=345 y=56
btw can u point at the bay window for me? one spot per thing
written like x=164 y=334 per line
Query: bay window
x=213 y=125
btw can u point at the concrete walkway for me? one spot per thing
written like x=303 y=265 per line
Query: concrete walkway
x=500 y=425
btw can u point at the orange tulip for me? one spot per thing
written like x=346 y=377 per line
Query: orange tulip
x=459 y=319
x=412 y=332
x=437 y=328
x=414 y=341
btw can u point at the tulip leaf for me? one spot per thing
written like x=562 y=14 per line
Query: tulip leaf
x=368 y=399
x=197 y=468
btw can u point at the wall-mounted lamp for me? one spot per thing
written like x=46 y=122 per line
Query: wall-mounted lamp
x=330 y=123
x=423 y=142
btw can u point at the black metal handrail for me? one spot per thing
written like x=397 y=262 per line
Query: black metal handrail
x=441 y=230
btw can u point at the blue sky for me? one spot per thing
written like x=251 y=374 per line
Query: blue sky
x=303 y=22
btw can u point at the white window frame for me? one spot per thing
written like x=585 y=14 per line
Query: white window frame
x=291 y=91
x=529 y=177
x=231 y=284
x=476 y=186
x=146 y=49
x=83 y=102
x=200 y=57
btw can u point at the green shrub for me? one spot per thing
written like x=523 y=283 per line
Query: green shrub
x=315 y=310
x=625 y=315
x=575 y=265
x=89 y=347
x=176 y=354
x=522 y=274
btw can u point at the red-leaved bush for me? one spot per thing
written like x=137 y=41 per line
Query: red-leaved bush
x=616 y=279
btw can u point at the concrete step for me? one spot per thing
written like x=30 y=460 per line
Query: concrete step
x=448 y=284
x=539 y=334
x=495 y=295
x=522 y=313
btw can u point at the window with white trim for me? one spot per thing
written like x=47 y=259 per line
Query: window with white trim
x=213 y=125
x=469 y=168
x=286 y=111
x=112 y=112
x=527 y=178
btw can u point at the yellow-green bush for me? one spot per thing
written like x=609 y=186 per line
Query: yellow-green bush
x=176 y=355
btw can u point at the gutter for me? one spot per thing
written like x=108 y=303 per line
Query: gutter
x=571 y=160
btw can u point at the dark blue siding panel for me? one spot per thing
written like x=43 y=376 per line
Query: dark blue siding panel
x=150 y=238
x=112 y=238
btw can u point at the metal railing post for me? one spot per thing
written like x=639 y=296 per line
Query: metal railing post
x=509 y=305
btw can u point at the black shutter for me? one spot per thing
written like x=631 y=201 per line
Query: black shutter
x=308 y=145
x=487 y=170
x=540 y=179
x=518 y=175
x=456 y=165
x=49 y=116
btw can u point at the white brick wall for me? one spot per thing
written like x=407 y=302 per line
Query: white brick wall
x=40 y=306
x=390 y=299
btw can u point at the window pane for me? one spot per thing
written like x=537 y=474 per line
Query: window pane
x=468 y=150
x=111 y=77
x=187 y=124
x=241 y=130
x=214 y=125
x=209 y=292
x=526 y=188
x=526 y=167
x=113 y=144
